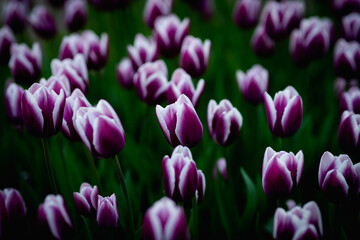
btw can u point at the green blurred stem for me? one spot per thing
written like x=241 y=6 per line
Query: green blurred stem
x=61 y=146
x=120 y=176
x=91 y=163
x=88 y=232
x=45 y=144
x=195 y=218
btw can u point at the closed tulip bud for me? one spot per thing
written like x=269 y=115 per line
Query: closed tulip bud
x=170 y=34
x=6 y=40
x=72 y=45
x=180 y=175
x=262 y=44
x=284 y=113
x=253 y=84
x=224 y=122
x=349 y=133
x=246 y=13
x=181 y=83
x=298 y=223
x=107 y=215
x=75 y=14
x=14 y=206
x=43 y=22
x=220 y=167
x=156 y=8
x=13 y=93
x=200 y=189
x=339 y=179
x=98 y=49
x=100 y=129
x=86 y=200
x=53 y=216
x=125 y=73
x=151 y=82
x=281 y=172
x=74 y=70
x=165 y=220
x=75 y=101
x=57 y=83
x=194 y=56
x=343 y=7
x=350 y=26
x=144 y=50
x=180 y=123
x=25 y=63
x=42 y=110
x=14 y=15
x=347 y=59
x=350 y=100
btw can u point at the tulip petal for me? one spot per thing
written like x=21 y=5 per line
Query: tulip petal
x=188 y=180
x=292 y=116
x=315 y=217
x=270 y=111
x=81 y=203
x=335 y=185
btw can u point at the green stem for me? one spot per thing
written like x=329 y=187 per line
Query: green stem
x=121 y=179
x=62 y=155
x=45 y=144
x=88 y=232
x=91 y=163
x=195 y=219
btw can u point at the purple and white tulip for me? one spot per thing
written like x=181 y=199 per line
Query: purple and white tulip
x=298 y=223
x=14 y=206
x=347 y=59
x=220 y=167
x=224 y=122
x=285 y=112
x=57 y=83
x=43 y=22
x=156 y=8
x=98 y=49
x=181 y=83
x=144 y=50
x=194 y=56
x=350 y=26
x=180 y=123
x=262 y=44
x=281 y=172
x=339 y=179
x=151 y=82
x=25 y=63
x=165 y=220
x=350 y=100
x=13 y=94
x=86 y=200
x=100 y=129
x=14 y=15
x=75 y=14
x=180 y=175
x=246 y=13
x=72 y=45
x=201 y=186
x=349 y=132
x=53 y=216
x=42 y=110
x=107 y=214
x=170 y=33
x=7 y=38
x=125 y=73
x=253 y=84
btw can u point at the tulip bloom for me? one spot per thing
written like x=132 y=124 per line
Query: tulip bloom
x=344 y=7
x=165 y=220
x=125 y=73
x=100 y=129
x=246 y=13
x=144 y=50
x=14 y=206
x=350 y=100
x=42 y=110
x=224 y=122
x=180 y=123
x=98 y=49
x=43 y=22
x=156 y=8
x=284 y=113
x=6 y=40
x=53 y=215
x=262 y=44
x=107 y=212
x=86 y=200
x=253 y=84
x=350 y=26
x=14 y=15
x=75 y=14
x=281 y=172
x=347 y=59
x=57 y=84
x=298 y=223
x=201 y=185
x=72 y=45
x=349 y=133
x=220 y=167
x=13 y=93
x=339 y=179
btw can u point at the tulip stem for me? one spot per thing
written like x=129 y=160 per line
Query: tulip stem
x=121 y=179
x=195 y=218
x=92 y=165
x=89 y=236
x=45 y=144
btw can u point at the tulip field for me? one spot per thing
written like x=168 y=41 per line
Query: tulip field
x=180 y=119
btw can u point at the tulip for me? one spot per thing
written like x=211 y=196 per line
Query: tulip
x=109 y=5
x=246 y=13
x=72 y=45
x=156 y=8
x=201 y=185
x=74 y=70
x=339 y=179
x=14 y=206
x=75 y=14
x=170 y=33
x=253 y=84
x=220 y=167
x=86 y=200
x=125 y=73
x=42 y=110
x=194 y=56
x=165 y=220
x=100 y=129
x=261 y=43
x=343 y=7
x=349 y=132
x=350 y=100
x=144 y=50
x=107 y=212
x=98 y=49
x=181 y=83
x=180 y=123
x=284 y=113
x=298 y=223
x=224 y=122
x=14 y=15
x=281 y=172
x=53 y=215
x=25 y=64
x=57 y=83
x=350 y=26
x=43 y=22
x=347 y=59
x=72 y=104
x=6 y=40
x=13 y=93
